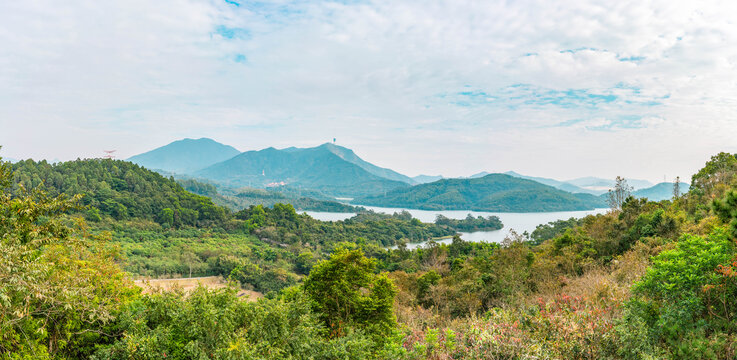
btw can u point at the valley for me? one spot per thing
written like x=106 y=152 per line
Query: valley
x=368 y=180
x=434 y=265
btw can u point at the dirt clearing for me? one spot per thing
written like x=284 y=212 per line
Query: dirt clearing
x=189 y=284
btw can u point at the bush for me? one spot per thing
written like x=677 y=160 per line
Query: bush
x=673 y=295
x=348 y=295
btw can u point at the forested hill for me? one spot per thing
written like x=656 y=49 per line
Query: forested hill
x=119 y=189
x=494 y=192
x=237 y=199
x=662 y=191
x=185 y=156
x=316 y=168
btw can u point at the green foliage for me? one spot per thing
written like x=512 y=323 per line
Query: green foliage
x=199 y=188
x=121 y=190
x=600 y=239
x=348 y=295
x=470 y=223
x=673 y=302
x=60 y=289
x=237 y=199
x=726 y=209
x=264 y=280
x=424 y=282
x=202 y=252
x=304 y=262
x=552 y=229
x=268 y=198
x=649 y=224
x=495 y=192
x=720 y=169
x=282 y=225
x=62 y=296
x=215 y=325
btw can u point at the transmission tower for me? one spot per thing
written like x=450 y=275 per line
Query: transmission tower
x=109 y=154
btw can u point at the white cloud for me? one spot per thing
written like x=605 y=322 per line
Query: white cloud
x=80 y=76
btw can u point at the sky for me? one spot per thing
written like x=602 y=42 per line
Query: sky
x=562 y=89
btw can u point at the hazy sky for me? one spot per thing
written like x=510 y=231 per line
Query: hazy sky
x=559 y=89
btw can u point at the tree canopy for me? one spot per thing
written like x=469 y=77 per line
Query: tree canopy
x=119 y=189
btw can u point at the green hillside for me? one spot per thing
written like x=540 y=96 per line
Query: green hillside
x=495 y=192
x=119 y=189
x=185 y=156
x=237 y=199
x=316 y=168
x=662 y=191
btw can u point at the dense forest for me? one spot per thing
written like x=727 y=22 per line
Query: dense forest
x=119 y=189
x=236 y=199
x=493 y=192
x=471 y=223
x=647 y=280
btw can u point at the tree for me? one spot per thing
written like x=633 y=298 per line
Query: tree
x=348 y=295
x=619 y=194
x=720 y=169
x=60 y=289
x=166 y=217
x=726 y=209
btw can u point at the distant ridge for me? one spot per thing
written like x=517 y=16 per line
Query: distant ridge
x=659 y=192
x=554 y=183
x=602 y=185
x=424 y=179
x=493 y=192
x=479 y=175
x=185 y=156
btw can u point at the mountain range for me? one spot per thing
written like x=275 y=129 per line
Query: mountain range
x=318 y=168
x=332 y=171
x=588 y=185
x=603 y=185
x=561 y=185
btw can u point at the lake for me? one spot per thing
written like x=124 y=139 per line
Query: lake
x=519 y=222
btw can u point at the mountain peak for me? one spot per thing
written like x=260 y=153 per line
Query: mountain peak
x=350 y=156
x=185 y=155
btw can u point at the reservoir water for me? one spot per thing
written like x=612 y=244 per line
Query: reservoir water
x=519 y=222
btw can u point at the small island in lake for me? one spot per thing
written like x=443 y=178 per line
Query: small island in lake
x=470 y=223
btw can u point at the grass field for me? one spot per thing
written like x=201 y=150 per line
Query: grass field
x=189 y=284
